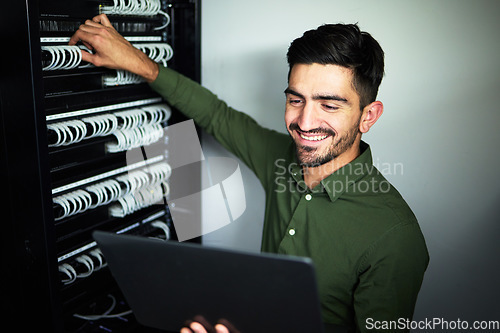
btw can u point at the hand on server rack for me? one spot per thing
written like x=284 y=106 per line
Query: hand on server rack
x=111 y=50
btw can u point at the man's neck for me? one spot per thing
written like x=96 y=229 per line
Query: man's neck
x=314 y=175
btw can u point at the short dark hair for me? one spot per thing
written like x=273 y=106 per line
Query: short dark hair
x=347 y=46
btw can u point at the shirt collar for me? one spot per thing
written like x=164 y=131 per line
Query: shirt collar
x=338 y=182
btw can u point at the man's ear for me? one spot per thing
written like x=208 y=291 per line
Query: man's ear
x=370 y=115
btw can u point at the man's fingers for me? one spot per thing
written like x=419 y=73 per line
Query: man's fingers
x=89 y=46
x=207 y=327
x=109 y=48
x=197 y=327
x=85 y=37
x=93 y=28
x=88 y=57
x=219 y=328
x=84 y=34
x=75 y=38
x=200 y=325
x=102 y=19
x=93 y=24
x=224 y=326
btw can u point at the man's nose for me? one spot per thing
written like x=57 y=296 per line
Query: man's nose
x=307 y=119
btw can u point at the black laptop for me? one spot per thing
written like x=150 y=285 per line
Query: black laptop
x=167 y=283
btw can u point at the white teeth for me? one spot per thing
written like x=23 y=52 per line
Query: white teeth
x=313 y=138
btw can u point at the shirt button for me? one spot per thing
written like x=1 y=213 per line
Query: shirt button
x=291 y=232
x=308 y=197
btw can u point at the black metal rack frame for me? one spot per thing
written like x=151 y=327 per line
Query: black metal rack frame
x=32 y=243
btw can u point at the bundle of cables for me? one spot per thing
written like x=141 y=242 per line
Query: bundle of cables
x=136 y=8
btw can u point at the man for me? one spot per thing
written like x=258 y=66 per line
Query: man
x=324 y=198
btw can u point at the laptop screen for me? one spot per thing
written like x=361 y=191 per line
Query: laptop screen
x=167 y=283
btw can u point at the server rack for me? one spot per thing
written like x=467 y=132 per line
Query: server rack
x=61 y=162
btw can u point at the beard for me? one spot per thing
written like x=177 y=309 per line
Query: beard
x=309 y=156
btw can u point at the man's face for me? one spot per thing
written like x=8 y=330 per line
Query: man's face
x=322 y=113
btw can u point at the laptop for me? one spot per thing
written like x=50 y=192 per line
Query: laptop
x=166 y=283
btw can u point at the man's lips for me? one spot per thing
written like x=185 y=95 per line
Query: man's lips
x=313 y=137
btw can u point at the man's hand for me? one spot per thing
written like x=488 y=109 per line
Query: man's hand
x=199 y=328
x=111 y=50
x=200 y=325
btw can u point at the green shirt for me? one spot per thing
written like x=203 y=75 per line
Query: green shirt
x=365 y=242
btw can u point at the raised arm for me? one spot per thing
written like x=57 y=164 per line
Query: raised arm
x=111 y=50
x=230 y=127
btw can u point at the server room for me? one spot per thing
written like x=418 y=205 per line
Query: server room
x=250 y=166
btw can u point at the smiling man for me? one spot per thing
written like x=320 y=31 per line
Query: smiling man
x=323 y=117
x=324 y=198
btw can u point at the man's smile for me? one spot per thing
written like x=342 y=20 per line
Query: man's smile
x=313 y=137
x=316 y=135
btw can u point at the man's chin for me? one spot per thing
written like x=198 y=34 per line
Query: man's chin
x=312 y=160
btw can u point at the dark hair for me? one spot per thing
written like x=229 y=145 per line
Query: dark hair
x=343 y=45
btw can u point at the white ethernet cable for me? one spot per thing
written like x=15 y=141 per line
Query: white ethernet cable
x=102 y=125
x=143 y=188
x=87 y=261
x=64 y=131
x=122 y=77
x=98 y=254
x=63 y=57
x=136 y=8
x=133 y=7
x=158 y=52
x=163 y=226
x=106 y=314
x=135 y=137
x=73 y=131
x=69 y=271
x=144 y=197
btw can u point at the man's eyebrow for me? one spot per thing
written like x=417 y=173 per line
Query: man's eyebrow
x=331 y=97
x=291 y=92
x=318 y=97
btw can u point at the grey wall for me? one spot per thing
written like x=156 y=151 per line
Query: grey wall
x=436 y=141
